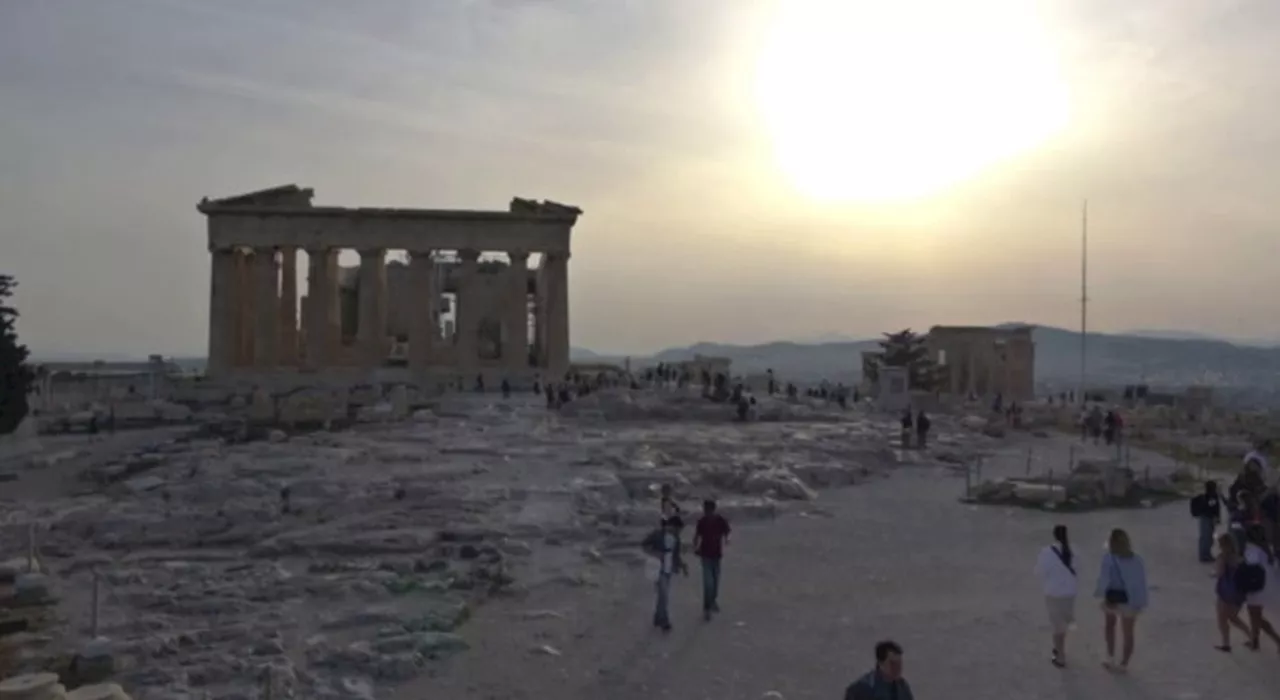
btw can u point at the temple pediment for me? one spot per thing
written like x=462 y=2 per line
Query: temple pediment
x=282 y=196
x=546 y=207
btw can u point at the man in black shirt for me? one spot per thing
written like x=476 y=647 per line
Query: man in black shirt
x=1207 y=509
x=886 y=681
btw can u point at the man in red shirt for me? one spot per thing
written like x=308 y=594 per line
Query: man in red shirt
x=709 y=540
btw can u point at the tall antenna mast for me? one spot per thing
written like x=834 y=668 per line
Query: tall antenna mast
x=1084 y=294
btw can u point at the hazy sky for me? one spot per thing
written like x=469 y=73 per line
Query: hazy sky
x=750 y=169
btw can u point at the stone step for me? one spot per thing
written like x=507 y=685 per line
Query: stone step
x=98 y=691
x=32 y=686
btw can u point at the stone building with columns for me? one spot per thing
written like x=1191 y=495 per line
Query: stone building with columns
x=984 y=360
x=469 y=292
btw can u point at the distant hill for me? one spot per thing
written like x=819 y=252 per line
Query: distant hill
x=1172 y=335
x=1112 y=360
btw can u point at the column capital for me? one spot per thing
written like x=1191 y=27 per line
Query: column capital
x=520 y=255
x=468 y=254
x=371 y=252
x=318 y=250
x=426 y=255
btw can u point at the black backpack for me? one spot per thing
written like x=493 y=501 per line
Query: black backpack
x=1199 y=506
x=1250 y=578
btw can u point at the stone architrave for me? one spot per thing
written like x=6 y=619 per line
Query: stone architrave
x=516 y=348
x=321 y=288
x=222 y=311
x=422 y=325
x=372 y=291
x=467 y=313
x=288 y=305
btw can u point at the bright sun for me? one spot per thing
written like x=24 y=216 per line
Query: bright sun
x=871 y=100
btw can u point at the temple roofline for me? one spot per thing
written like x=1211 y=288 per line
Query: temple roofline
x=209 y=208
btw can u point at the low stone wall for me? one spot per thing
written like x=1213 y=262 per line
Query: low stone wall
x=47 y=686
x=1091 y=485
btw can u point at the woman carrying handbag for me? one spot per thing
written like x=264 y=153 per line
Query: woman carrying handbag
x=1122 y=586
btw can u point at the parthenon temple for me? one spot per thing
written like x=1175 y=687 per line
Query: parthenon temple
x=477 y=293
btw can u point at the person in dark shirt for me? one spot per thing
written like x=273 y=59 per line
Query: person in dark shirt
x=664 y=544
x=668 y=504
x=709 y=539
x=1208 y=511
x=886 y=681
x=922 y=429
x=907 y=428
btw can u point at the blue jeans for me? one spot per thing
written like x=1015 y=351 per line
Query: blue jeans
x=710 y=584
x=661 y=616
x=1206 y=539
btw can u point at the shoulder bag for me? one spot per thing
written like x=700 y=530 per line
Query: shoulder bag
x=1063 y=558
x=1116 y=596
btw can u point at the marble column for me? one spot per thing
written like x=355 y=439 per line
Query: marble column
x=540 y=316
x=333 y=309
x=321 y=293
x=422 y=324
x=222 y=312
x=289 y=306
x=372 y=323
x=266 y=290
x=244 y=308
x=467 y=313
x=515 y=350
x=557 y=314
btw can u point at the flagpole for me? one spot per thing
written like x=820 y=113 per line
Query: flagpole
x=1084 y=296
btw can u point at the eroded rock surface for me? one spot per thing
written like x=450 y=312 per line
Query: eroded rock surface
x=338 y=564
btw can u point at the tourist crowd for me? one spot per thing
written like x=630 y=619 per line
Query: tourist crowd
x=1245 y=584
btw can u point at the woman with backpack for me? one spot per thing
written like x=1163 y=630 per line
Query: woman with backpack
x=1057 y=575
x=1230 y=598
x=1122 y=586
x=1251 y=579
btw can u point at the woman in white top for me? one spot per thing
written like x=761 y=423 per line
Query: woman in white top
x=1257 y=553
x=1057 y=573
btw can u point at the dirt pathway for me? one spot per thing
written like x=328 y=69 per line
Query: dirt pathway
x=805 y=598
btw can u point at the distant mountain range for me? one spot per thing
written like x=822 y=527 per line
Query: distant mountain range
x=1159 y=358
x=1151 y=357
x=1192 y=335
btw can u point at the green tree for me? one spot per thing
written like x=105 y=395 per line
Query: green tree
x=908 y=349
x=15 y=375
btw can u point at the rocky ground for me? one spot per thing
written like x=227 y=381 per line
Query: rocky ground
x=486 y=549
x=348 y=564
x=805 y=598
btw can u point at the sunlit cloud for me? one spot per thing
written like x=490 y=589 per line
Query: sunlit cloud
x=794 y=158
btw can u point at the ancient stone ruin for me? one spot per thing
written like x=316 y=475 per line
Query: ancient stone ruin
x=446 y=313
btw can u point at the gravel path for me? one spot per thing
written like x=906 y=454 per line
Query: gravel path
x=807 y=596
